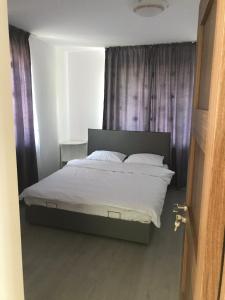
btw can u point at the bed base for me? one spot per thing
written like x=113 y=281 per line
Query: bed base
x=90 y=224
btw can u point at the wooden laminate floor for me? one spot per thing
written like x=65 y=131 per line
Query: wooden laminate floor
x=63 y=265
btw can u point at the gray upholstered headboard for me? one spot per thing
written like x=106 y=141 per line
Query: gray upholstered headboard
x=130 y=142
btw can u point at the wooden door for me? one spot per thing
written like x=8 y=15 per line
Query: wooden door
x=204 y=230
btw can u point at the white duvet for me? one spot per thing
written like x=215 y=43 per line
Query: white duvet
x=132 y=187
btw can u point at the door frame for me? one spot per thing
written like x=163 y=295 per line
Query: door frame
x=11 y=275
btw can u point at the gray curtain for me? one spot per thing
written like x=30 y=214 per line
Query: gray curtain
x=150 y=88
x=23 y=108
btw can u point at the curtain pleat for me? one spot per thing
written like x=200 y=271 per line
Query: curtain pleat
x=150 y=88
x=23 y=108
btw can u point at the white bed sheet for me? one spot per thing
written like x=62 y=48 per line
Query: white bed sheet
x=134 y=192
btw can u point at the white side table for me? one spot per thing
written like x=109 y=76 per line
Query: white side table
x=72 y=150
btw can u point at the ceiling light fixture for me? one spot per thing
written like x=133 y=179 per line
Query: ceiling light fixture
x=149 y=8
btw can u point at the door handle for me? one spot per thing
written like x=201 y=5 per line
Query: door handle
x=176 y=225
x=178 y=209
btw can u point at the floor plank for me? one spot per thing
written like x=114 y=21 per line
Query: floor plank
x=63 y=265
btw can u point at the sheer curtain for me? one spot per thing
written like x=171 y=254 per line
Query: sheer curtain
x=23 y=108
x=150 y=88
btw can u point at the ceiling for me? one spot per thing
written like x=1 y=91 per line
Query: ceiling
x=103 y=23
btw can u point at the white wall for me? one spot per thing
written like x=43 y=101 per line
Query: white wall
x=62 y=94
x=85 y=91
x=43 y=61
x=68 y=93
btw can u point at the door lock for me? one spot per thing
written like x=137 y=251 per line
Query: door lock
x=179 y=207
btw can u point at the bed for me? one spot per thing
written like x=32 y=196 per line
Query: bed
x=104 y=198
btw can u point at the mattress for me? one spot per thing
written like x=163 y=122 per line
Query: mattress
x=134 y=192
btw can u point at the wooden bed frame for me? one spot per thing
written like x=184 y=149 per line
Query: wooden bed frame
x=127 y=142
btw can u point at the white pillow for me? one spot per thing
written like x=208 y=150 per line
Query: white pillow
x=146 y=158
x=107 y=156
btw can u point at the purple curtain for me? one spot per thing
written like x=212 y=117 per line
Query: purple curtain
x=150 y=88
x=23 y=108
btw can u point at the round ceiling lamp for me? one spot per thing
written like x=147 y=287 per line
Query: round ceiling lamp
x=149 y=8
